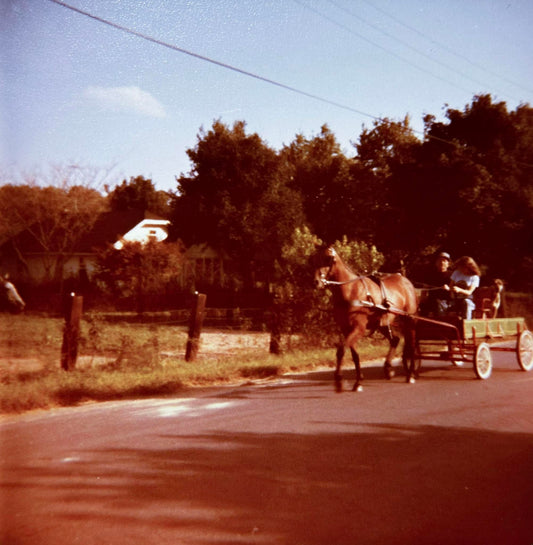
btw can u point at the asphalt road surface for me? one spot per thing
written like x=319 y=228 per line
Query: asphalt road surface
x=448 y=460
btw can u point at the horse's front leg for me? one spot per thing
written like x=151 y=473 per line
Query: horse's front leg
x=338 y=373
x=357 y=387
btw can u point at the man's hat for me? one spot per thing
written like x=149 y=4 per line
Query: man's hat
x=445 y=255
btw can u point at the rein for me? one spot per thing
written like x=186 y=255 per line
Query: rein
x=327 y=282
x=427 y=287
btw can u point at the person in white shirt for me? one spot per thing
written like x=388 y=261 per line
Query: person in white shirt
x=464 y=281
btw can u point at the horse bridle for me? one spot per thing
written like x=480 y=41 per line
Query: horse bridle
x=324 y=275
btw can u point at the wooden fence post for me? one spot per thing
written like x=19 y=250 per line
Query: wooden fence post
x=195 y=326
x=275 y=324
x=69 y=348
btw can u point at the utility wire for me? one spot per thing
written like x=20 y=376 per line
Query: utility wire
x=213 y=61
x=446 y=48
x=409 y=46
x=238 y=70
x=377 y=45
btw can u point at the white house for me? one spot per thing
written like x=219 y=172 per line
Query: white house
x=26 y=260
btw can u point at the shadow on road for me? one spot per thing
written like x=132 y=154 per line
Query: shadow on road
x=368 y=485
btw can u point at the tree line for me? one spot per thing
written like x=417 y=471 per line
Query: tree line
x=465 y=186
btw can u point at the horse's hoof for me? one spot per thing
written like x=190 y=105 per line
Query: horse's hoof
x=338 y=386
x=389 y=373
x=357 y=388
x=411 y=380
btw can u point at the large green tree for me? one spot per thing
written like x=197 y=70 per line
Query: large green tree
x=139 y=193
x=386 y=153
x=482 y=159
x=142 y=273
x=236 y=199
x=320 y=172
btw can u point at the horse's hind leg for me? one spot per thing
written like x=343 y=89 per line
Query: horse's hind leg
x=393 y=344
x=408 y=357
x=358 y=375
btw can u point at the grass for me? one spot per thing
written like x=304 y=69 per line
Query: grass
x=125 y=361
x=121 y=360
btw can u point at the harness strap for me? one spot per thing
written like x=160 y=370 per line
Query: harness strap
x=384 y=299
x=383 y=308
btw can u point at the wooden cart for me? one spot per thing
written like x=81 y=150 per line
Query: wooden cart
x=462 y=341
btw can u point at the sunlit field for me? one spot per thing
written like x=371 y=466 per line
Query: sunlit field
x=129 y=360
x=121 y=360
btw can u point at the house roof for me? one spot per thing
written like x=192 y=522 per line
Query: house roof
x=111 y=226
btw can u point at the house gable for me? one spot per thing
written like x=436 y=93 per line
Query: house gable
x=148 y=229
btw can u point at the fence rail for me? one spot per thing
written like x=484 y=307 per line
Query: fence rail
x=216 y=317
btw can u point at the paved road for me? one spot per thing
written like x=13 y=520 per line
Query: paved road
x=446 y=461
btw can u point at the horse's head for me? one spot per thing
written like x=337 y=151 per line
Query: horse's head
x=325 y=263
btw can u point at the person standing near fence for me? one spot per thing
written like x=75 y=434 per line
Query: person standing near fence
x=10 y=296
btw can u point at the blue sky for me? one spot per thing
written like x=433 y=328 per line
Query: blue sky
x=75 y=91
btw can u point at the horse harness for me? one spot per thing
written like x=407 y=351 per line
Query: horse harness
x=385 y=305
x=369 y=302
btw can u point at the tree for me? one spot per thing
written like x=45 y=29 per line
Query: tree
x=486 y=179
x=53 y=217
x=386 y=155
x=139 y=193
x=235 y=198
x=319 y=171
x=140 y=272
x=299 y=307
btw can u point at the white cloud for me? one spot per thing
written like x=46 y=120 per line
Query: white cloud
x=125 y=99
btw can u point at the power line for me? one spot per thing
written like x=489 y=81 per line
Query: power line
x=236 y=69
x=377 y=45
x=446 y=48
x=390 y=52
x=213 y=61
x=409 y=46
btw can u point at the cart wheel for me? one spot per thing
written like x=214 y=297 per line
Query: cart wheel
x=483 y=361
x=524 y=350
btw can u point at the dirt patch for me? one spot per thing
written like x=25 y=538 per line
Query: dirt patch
x=231 y=343
x=212 y=344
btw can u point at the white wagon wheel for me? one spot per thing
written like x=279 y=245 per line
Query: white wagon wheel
x=524 y=350
x=483 y=361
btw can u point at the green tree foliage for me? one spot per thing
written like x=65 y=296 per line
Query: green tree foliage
x=385 y=153
x=140 y=272
x=236 y=199
x=139 y=193
x=298 y=306
x=485 y=180
x=320 y=172
x=466 y=187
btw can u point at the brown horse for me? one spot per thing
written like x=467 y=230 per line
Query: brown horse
x=362 y=305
